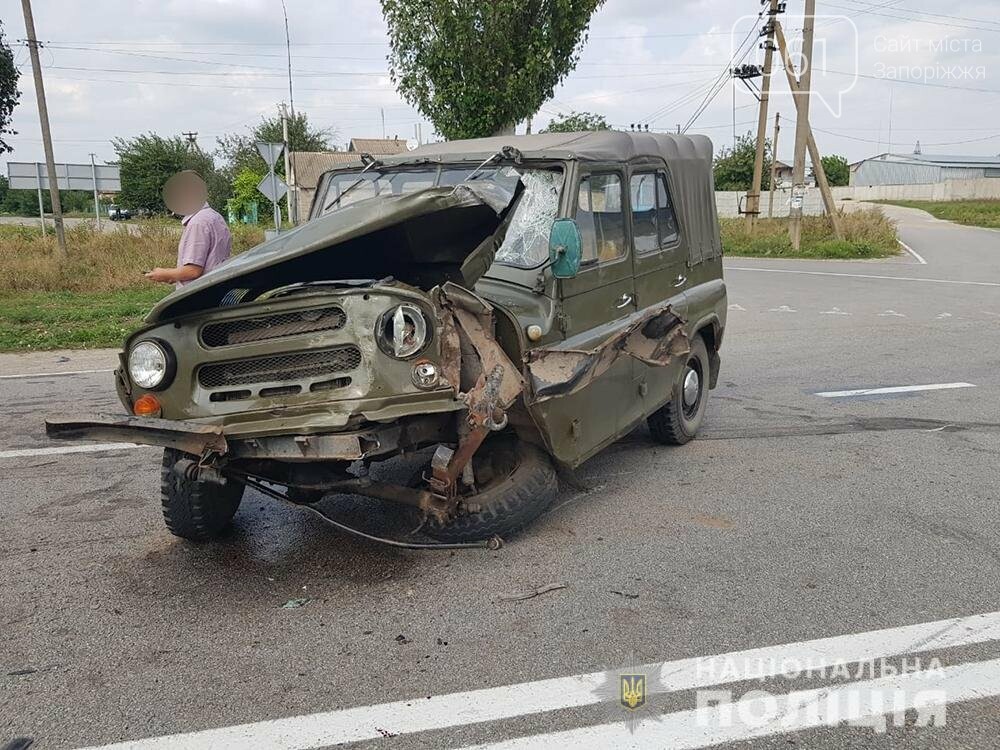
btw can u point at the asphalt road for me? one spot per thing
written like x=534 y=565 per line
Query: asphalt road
x=794 y=517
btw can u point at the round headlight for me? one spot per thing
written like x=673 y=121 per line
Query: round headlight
x=402 y=331
x=147 y=364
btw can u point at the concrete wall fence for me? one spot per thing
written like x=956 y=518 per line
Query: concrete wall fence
x=949 y=190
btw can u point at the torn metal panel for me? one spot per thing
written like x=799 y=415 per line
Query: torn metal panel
x=498 y=381
x=655 y=338
x=196 y=439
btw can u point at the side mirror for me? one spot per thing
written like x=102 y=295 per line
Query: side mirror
x=565 y=247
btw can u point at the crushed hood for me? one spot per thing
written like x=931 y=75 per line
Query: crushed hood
x=424 y=238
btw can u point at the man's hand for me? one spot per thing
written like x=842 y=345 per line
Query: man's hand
x=188 y=272
x=164 y=275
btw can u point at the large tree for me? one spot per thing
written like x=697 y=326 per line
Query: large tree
x=734 y=166
x=577 y=121
x=238 y=152
x=838 y=172
x=8 y=92
x=475 y=69
x=148 y=161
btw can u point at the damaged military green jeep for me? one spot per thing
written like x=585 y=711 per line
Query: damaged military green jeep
x=515 y=304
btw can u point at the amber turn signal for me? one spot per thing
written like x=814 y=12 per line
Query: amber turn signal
x=147 y=406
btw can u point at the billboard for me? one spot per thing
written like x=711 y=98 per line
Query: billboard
x=25 y=175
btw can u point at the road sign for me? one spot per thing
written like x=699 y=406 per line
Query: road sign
x=28 y=176
x=270 y=152
x=273 y=188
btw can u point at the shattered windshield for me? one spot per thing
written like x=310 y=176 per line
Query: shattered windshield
x=383 y=182
x=526 y=243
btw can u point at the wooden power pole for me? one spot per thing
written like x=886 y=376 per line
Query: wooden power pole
x=43 y=119
x=753 y=197
x=801 y=94
x=802 y=116
x=774 y=164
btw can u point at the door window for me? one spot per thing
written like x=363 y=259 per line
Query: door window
x=642 y=189
x=601 y=219
x=665 y=218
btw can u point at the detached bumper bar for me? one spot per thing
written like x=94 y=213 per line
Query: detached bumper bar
x=191 y=438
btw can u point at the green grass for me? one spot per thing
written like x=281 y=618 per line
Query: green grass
x=982 y=213
x=72 y=320
x=868 y=234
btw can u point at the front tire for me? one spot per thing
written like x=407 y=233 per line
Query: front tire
x=518 y=483
x=196 y=510
x=677 y=422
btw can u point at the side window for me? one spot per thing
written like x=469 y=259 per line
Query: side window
x=600 y=218
x=665 y=219
x=642 y=189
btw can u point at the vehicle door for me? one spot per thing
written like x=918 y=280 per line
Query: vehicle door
x=659 y=260
x=595 y=305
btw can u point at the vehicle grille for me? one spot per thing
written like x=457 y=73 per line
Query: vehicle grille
x=265 y=327
x=281 y=368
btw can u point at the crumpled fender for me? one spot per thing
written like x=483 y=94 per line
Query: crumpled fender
x=655 y=337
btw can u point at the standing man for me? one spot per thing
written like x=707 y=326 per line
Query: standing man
x=205 y=240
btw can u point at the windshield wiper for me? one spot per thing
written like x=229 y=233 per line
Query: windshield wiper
x=507 y=152
x=371 y=162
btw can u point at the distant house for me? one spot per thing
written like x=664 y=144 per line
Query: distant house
x=782 y=174
x=921 y=169
x=308 y=166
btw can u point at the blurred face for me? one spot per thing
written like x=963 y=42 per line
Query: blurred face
x=185 y=193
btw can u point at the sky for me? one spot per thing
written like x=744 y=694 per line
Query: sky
x=885 y=71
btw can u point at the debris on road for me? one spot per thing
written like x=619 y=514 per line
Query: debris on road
x=532 y=593
x=295 y=603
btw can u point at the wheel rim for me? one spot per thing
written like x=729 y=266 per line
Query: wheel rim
x=691 y=389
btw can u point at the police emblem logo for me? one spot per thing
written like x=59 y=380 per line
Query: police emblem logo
x=633 y=690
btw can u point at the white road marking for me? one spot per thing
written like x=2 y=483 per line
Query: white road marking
x=778 y=714
x=894 y=389
x=890 y=314
x=862 y=276
x=913 y=252
x=51 y=374
x=942 y=316
x=782 y=309
x=91 y=448
x=834 y=311
x=738 y=308
x=493 y=704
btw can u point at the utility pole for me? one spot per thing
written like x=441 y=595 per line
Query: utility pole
x=814 y=155
x=43 y=119
x=288 y=49
x=774 y=164
x=382 y=112
x=97 y=204
x=801 y=97
x=291 y=202
x=192 y=139
x=753 y=197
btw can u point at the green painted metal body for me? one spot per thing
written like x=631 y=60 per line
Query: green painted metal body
x=586 y=312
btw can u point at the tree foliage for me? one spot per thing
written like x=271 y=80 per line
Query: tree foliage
x=475 y=69
x=238 y=152
x=734 y=166
x=838 y=172
x=577 y=121
x=9 y=94
x=148 y=161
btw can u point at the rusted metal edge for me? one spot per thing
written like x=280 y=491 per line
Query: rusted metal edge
x=656 y=337
x=196 y=439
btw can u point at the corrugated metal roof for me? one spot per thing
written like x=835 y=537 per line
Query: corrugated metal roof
x=936 y=160
x=378 y=146
x=307 y=166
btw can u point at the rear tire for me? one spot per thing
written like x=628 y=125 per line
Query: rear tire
x=677 y=422
x=519 y=484
x=196 y=510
